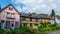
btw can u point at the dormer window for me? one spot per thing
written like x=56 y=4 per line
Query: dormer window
x=10 y=8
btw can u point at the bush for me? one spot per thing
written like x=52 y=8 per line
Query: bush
x=1 y=31
x=8 y=31
x=24 y=30
x=45 y=29
x=21 y=30
x=52 y=25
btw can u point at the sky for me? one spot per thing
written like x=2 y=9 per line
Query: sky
x=37 y=6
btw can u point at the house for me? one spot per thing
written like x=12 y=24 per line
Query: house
x=34 y=20
x=9 y=17
x=58 y=20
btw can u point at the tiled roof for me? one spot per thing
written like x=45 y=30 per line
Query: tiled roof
x=35 y=16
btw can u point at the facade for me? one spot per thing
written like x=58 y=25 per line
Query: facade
x=10 y=17
x=34 y=20
x=58 y=20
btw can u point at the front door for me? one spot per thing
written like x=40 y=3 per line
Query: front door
x=12 y=25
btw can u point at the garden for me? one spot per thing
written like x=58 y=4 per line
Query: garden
x=43 y=29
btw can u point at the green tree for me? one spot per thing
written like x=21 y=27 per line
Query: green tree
x=32 y=13
x=53 y=13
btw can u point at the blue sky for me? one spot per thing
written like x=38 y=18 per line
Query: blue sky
x=3 y=3
x=38 y=6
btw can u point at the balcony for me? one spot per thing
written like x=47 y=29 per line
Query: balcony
x=10 y=16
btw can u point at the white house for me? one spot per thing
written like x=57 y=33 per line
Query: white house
x=58 y=20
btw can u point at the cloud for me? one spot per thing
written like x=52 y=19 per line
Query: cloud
x=38 y=6
x=51 y=0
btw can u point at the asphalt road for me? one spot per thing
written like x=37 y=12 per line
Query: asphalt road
x=56 y=32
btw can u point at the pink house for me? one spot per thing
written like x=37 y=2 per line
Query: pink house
x=9 y=17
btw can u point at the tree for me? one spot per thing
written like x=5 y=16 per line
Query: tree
x=32 y=13
x=53 y=13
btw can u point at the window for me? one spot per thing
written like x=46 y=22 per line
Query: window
x=3 y=16
x=8 y=14
x=2 y=21
x=25 y=24
x=10 y=8
x=22 y=18
x=30 y=19
x=36 y=24
x=12 y=15
x=30 y=24
x=17 y=24
x=36 y=20
x=7 y=23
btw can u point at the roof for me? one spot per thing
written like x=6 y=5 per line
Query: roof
x=8 y=6
x=58 y=17
x=36 y=16
x=29 y=15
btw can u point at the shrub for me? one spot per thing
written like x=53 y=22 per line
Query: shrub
x=9 y=31
x=1 y=31
x=21 y=30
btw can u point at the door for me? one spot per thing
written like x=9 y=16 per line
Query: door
x=2 y=24
x=12 y=25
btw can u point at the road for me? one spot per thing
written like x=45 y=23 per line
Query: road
x=56 y=32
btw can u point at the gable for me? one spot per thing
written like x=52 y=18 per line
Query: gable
x=8 y=7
